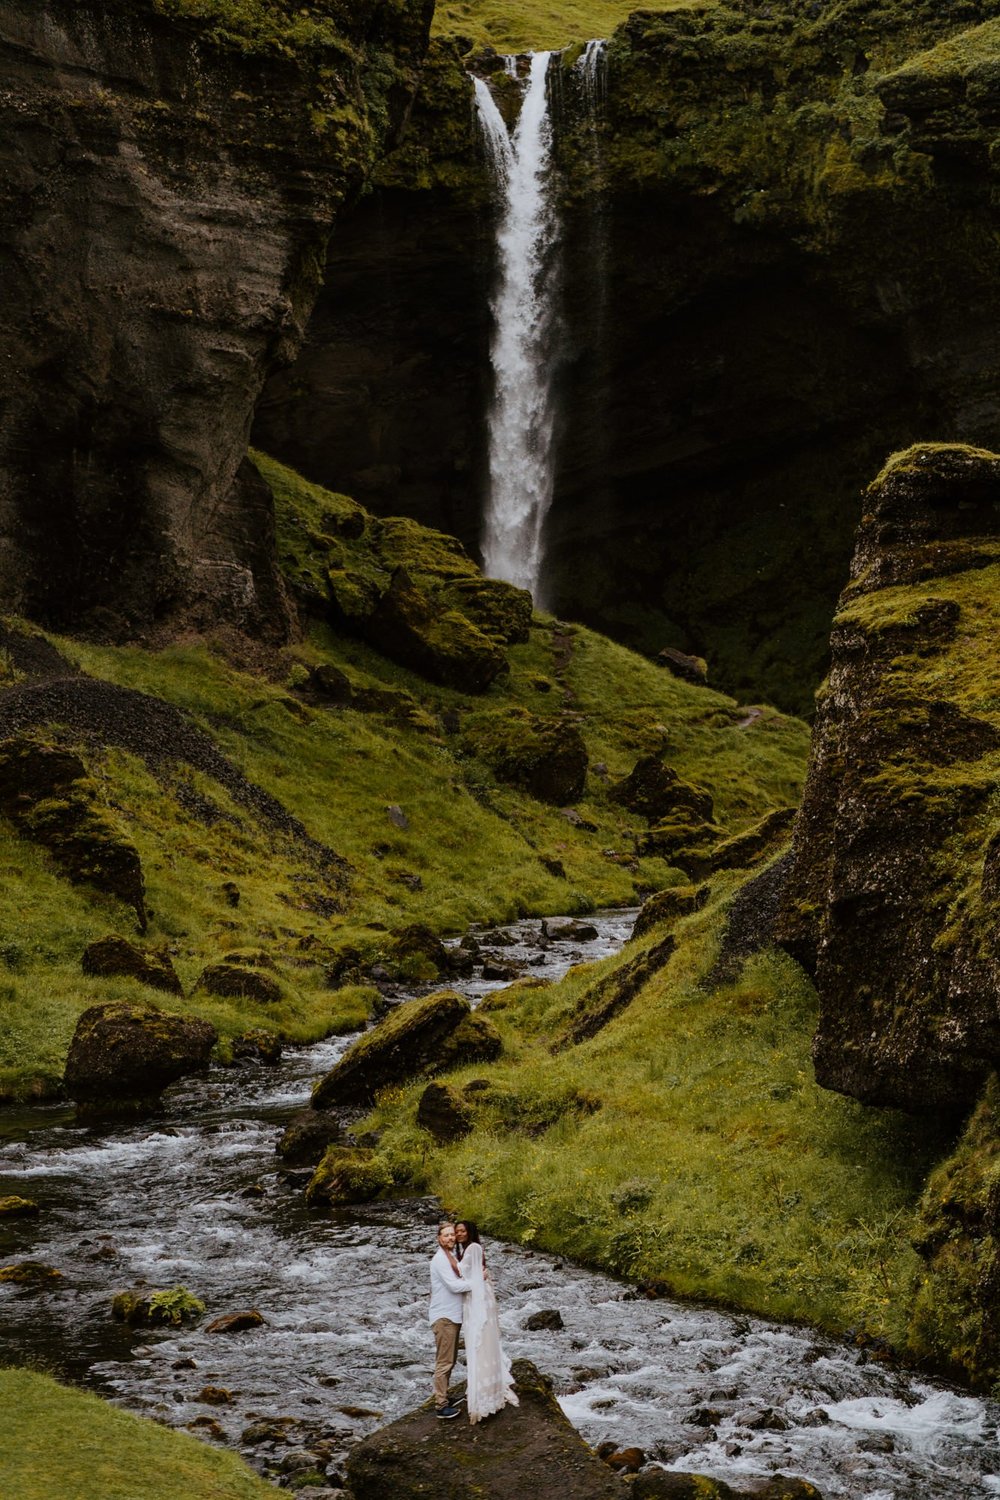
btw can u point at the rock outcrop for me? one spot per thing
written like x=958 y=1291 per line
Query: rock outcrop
x=894 y=890
x=171 y=177
x=526 y=1449
x=546 y=757
x=417 y=1039
x=124 y=1055
x=115 y=957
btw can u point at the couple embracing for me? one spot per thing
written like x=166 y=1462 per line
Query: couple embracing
x=462 y=1300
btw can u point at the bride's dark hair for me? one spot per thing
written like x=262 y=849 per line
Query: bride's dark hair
x=472 y=1230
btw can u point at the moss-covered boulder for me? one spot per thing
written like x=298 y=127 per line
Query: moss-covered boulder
x=407 y=1043
x=439 y=643
x=348 y=1174
x=123 y=1055
x=682 y=839
x=474 y=1039
x=171 y=1307
x=235 y=981
x=49 y=796
x=501 y=610
x=766 y=835
x=417 y=954
x=14 y=1207
x=532 y=1449
x=257 y=1045
x=30 y=1275
x=306 y=1137
x=669 y=905
x=445 y=1113
x=654 y=791
x=546 y=757
x=893 y=897
x=115 y=957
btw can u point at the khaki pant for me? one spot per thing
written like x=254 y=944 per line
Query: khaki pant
x=446 y=1341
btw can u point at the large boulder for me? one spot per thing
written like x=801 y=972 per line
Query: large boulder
x=441 y=644
x=306 y=1137
x=236 y=982
x=668 y=906
x=893 y=897
x=500 y=609
x=347 y=1174
x=654 y=791
x=546 y=757
x=116 y=958
x=123 y=1055
x=445 y=1113
x=407 y=1043
x=529 y=1449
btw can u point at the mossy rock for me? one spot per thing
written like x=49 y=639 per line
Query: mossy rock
x=115 y=957
x=445 y=1113
x=407 y=1043
x=257 y=1045
x=123 y=1055
x=306 y=1137
x=439 y=643
x=545 y=757
x=773 y=829
x=47 y=794
x=32 y=1275
x=14 y=1207
x=348 y=1174
x=501 y=610
x=682 y=840
x=655 y=792
x=475 y=1039
x=167 y=1308
x=668 y=906
x=417 y=954
x=233 y=981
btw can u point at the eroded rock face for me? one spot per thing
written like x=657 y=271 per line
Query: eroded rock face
x=169 y=188
x=892 y=897
x=124 y=1055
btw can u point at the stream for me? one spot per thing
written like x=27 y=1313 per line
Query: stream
x=198 y=1196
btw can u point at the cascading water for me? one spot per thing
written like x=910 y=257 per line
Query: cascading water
x=593 y=70
x=522 y=415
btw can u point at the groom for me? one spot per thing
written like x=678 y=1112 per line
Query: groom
x=447 y=1291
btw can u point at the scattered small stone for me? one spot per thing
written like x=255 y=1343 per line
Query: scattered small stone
x=210 y=1426
x=357 y=1413
x=397 y=816
x=549 y=1318
x=767 y=1420
x=576 y=821
x=253 y=1190
x=184 y=1364
x=215 y=1395
x=704 y=1416
x=626 y=1460
x=238 y=1322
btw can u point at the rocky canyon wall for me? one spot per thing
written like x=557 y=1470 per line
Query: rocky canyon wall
x=777 y=267
x=171 y=172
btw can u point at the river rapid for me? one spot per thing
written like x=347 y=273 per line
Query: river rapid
x=198 y=1196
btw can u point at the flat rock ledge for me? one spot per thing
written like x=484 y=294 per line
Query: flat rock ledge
x=523 y=1450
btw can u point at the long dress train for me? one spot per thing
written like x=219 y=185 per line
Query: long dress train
x=489 y=1387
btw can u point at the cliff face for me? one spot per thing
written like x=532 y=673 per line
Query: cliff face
x=776 y=268
x=892 y=898
x=171 y=172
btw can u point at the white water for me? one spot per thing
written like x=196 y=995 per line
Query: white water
x=593 y=69
x=522 y=413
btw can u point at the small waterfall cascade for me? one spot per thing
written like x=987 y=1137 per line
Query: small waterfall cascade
x=592 y=68
x=522 y=416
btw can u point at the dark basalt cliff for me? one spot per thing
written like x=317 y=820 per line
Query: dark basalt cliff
x=777 y=266
x=892 y=898
x=171 y=174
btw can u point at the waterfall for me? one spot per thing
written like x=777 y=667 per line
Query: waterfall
x=522 y=414
x=593 y=69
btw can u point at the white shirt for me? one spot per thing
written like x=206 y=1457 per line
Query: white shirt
x=447 y=1289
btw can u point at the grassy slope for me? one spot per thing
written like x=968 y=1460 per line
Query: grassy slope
x=476 y=846
x=530 y=25
x=689 y=1143
x=57 y=1442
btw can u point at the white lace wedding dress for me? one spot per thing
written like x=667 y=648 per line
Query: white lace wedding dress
x=489 y=1385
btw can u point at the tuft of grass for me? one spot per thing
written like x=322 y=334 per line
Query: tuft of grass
x=59 y=1441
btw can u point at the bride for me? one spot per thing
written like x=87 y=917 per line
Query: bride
x=489 y=1380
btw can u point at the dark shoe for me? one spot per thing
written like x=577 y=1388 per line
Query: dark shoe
x=445 y=1413
x=456 y=1400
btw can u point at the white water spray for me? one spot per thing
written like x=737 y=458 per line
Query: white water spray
x=522 y=415
x=593 y=69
